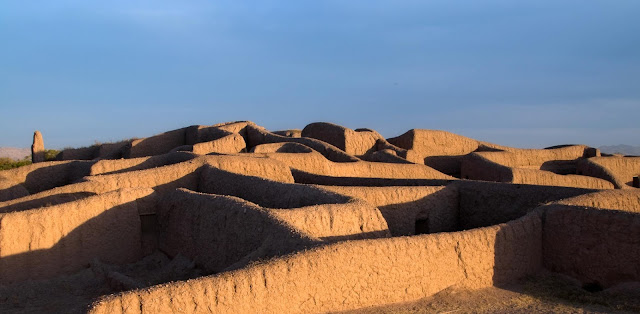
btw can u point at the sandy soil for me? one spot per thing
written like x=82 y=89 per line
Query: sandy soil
x=545 y=293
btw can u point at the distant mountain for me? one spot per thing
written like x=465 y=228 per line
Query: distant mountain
x=621 y=149
x=14 y=153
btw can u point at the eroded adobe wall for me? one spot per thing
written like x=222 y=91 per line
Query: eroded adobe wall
x=156 y=145
x=43 y=176
x=315 y=211
x=476 y=166
x=491 y=147
x=44 y=199
x=239 y=127
x=353 y=274
x=540 y=177
x=535 y=158
x=203 y=133
x=61 y=239
x=252 y=166
x=618 y=170
x=406 y=207
x=336 y=222
x=113 y=150
x=365 y=169
x=258 y=135
x=385 y=155
x=327 y=132
x=232 y=143
x=352 y=142
x=624 y=200
x=485 y=203
x=315 y=163
x=589 y=168
x=598 y=247
x=83 y=153
x=220 y=231
x=184 y=174
x=289 y=133
x=281 y=148
x=310 y=178
x=11 y=189
x=434 y=143
x=264 y=192
x=103 y=151
x=141 y=163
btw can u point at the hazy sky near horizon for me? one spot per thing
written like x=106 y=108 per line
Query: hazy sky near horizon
x=519 y=73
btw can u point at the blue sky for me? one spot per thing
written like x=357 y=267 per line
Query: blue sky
x=519 y=73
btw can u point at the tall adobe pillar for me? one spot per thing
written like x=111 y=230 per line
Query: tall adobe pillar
x=37 y=148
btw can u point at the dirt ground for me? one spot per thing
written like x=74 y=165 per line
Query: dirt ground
x=545 y=293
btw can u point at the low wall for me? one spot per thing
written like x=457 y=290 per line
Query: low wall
x=113 y=150
x=43 y=176
x=312 y=210
x=408 y=208
x=385 y=155
x=476 y=166
x=252 y=166
x=140 y=163
x=352 y=274
x=281 y=148
x=165 y=178
x=618 y=170
x=42 y=200
x=70 y=235
x=315 y=163
x=266 y=193
x=535 y=158
x=540 y=177
x=222 y=231
x=352 y=142
x=491 y=147
x=219 y=231
x=156 y=145
x=239 y=127
x=257 y=136
x=310 y=178
x=625 y=200
x=598 y=247
x=185 y=174
x=289 y=133
x=10 y=189
x=337 y=222
x=232 y=143
x=82 y=153
x=485 y=203
x=102 y=151
x=201 y=133
x=434 y=143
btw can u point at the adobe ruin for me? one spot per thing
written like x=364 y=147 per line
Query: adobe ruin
x=234 y=218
